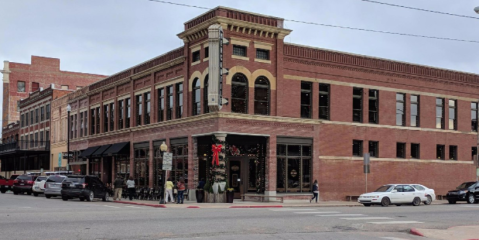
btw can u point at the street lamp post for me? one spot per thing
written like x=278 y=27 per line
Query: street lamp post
x=69 y=109
x=163 y=149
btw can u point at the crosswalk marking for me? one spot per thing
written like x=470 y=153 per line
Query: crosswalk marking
x=314 y=212
x=340 y=215
x=395 y=222
x=367 y=218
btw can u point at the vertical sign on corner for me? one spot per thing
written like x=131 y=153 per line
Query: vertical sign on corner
x=215 y=67
x=59 y=159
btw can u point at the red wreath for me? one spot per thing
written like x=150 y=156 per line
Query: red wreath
x=216 y=159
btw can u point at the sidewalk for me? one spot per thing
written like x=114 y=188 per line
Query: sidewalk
x=250 y=204
x=458 y=233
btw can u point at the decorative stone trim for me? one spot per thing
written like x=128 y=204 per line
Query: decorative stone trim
x=141 y=91
x=396 y=160
x=240 y=57
x=123 y=97
x=263 y=45
x=262 y=61
x=196 y=63
x=240 y=41
x=170 y=81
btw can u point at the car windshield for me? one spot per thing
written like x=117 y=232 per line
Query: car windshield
x=24 y=177
x=385 y=188
x=465 y=185
x=41 y=178
x=75 y=180
x=55 y=179
x=419 y=187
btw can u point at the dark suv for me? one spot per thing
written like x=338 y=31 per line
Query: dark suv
x=84 y=187
x=467 y=191
x=23 y=183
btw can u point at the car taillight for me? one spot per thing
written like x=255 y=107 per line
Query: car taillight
x=15 y=181
x=44 y=185
x=84 y=185
x=29 y=182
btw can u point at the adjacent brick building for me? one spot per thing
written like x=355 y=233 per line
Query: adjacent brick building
x=294 y=114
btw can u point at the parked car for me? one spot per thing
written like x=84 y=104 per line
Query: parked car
x=39 y=185
x=429 y=193
x=53 y=186
x=23 y=183
x=7 y=184
x=397 y=194
x=467 y=191
x=84 y=187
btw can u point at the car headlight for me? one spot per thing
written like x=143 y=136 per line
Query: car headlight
x=463 y=192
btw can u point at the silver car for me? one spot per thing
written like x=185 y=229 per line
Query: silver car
x=53 y=185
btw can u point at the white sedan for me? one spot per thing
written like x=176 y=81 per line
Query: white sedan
x=428 y=192
x=397 y=194
x=39 y=185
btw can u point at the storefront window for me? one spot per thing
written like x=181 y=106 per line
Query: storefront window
x=141 y=167
x=180 y=162
x=293 y=168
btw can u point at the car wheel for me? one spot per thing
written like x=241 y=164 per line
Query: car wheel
x=367 y=204
x=416 y=202
x=82 y=199
x=90 y=196
x=106 y=198
x=3 y=191
x=29 y=192
x=48 y=196
x=385 y=202
x=35 y=194
x=15 y=193
x=398 y=205
x=451 y=201
x=470 y=199
x=428 y=201
x=65 y=198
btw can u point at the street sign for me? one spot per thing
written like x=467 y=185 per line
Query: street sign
x=477 y=172
x=366 y=159
x=167 y=161
x=366 y=169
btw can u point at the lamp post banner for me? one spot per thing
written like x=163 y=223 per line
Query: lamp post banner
x=167 y=161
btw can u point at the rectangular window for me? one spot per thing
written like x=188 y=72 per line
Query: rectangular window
x=85 y=123
x=70 y=127
x=47 y=138
x=169 y=110
x=36 y=139
x=92 y=121
x=414 y=111
x=452 y=152
x=262 y=54
x=357 y=148
x=36 y=115
x=42 y=143
x=64 y=87
x=75 y=126
x=373 y=149
x=32 y=141
x=306 y=88
x=474 y=116
x=452 y=115
x=440 y=113
x=22 y=120
x=112 y=116
x=139 y=109
x=26 y=119
x=400 y=150
x=147 y=98
x=81 y=124
x=47 y=110
x=106 y=113
x=415 y=151
x=31 y=117
x=207 y=52
x=42 y=114
x=474 y=152
x=440 y=152
x=373 y=106
x=400 y=109
x=357 y=104
x=161 y=104
x=128 y=112
x=35 y=86
x=20 y=86
x=97 y=120
x=239 y=50
x=196 y=56
x=179 y=100
x=293 y=168
x=324 y=101
x=121 y=112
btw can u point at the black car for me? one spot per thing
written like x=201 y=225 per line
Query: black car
x=467 y=191
x=84 y=187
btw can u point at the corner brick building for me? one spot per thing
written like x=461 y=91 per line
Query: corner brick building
x=294 y=114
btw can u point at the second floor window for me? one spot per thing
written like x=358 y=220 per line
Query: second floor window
x=112 y=116
x=440 y=152
x=373 y=106
x=474 y=116
x=415 y=150
x=440 y=113
x=106 y=114
x=36 y=115
x=357 y=104
x=20 y=86
x=147 y=116
x=357 y=148
x=373 y=149
x=81 y=124
x=161 y=104
x=262 y=54
x=324 y=101
x=139 y=109
x=47 y=110
x=31 y=117
x=121 y=114
x=400 y=150
x=414 y=111
x=92 y=121
x=239 y=50
x=400 y=116
x=169 y=110
x=452 y=115
x=261 y=96
x=128 y=112
x=306 y=88
x=196 y=56
x=179 y=100
x=97 y=120
x=239 y=94
x=205 y=96
x=22 y=120
x=42 y=114
x=26 y=119
x=196 y=97
x=452 y=152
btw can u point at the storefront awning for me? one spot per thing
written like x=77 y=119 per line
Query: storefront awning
x=99 y=152
x=118 y=149
x=87 y=153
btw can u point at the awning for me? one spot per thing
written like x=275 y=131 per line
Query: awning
x=87 y=153
x=117 y=149
x=99 y=152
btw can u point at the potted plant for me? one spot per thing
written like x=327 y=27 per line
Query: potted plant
x=230 y=195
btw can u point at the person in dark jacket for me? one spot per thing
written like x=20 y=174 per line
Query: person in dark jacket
x=201 y=184
x=118 y=185
x=315 y=191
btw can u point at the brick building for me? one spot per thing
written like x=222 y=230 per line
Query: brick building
x=294 y=114
x=20 y=79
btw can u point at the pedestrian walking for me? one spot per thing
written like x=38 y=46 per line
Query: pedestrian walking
x=169 y=191
x=315 y=191
x=201 y=184
x=181 y=189
x=130 y=184
x=118 y=185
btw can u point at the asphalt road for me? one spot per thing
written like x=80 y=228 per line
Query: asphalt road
x=28 y=217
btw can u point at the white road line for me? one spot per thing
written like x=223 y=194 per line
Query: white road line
x=314 y=212
x=290 y=209
x=394 y=238
x=341 y=215
x=133 y=207
x=110 y=206
x=367 y=218
x=395 y=222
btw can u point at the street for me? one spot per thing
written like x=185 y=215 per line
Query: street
x=28 y=217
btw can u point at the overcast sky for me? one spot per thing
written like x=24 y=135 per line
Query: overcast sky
x=107 y=36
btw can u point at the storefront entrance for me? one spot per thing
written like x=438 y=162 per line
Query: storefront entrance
x=245 y=175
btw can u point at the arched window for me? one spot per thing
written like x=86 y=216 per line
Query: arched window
x=205 y=95
x=239 y=94
x=261 y=96
x=196 y=97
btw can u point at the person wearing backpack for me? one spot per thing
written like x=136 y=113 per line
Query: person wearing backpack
x=315 y=191
x=181 y=190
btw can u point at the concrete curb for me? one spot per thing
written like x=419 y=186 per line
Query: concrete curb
x=142 y=204
x=258 y=206
x=416 y=232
